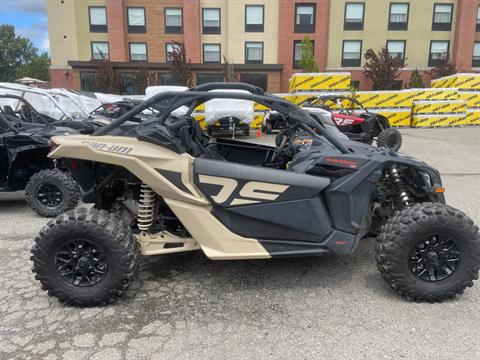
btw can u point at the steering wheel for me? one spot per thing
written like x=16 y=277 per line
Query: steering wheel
x=280 y=147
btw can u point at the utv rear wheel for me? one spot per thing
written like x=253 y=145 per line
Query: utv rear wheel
x=390 y=138
x=429 y=252
x=51 y=192
x=85 y=257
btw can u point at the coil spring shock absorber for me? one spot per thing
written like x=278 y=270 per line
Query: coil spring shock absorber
x=146 y=207
x=399 y=184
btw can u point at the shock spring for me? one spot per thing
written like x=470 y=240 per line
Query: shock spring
x=399 y=184
x=146 y=207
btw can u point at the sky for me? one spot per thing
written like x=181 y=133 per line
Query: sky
x=29 y=18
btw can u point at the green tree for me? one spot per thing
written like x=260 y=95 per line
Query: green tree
x=19 y=58
x=382 y=68
x=416 y=80
x=38 y=68
x=307 y=60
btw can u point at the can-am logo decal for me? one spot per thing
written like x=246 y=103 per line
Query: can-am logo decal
x=251 y=193
x=108 y=147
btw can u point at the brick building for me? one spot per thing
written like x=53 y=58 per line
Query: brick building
x=259 y=37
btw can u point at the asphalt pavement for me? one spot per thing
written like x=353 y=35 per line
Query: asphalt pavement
x=185 y=306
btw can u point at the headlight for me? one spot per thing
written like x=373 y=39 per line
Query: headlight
x=426 y=178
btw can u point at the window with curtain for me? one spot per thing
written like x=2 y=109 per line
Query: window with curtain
x=211 y=21
x=352 y=53
x=254 y=18
x=211 y=53
x=98 y=18
x=100 y=50
x=396 y=48
x=442 y=17
x=136 y=20
x=354 y=16
x=173 y=20
x=138 y=52
x=438 y=51
x=169 y=48
x=305 y=18
x=398 y=18
x=253 y=52
x=476 y=54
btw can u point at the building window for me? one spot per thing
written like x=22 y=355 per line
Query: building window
x=305 y=18
x=88 y=81
x=352 y=53
x=253 y=52
x=211 y=53
x=100 y=50
x=136 y=20
x=297 y=53
x=97 y=16
x=438 y=52
x=396 y=48
x=477 y=28
x=203 y=78
x=260 y=80
x=211 y=21
x=354 y=16
x=476 y=55
x=138 y=52
x=169 y=48
x=254 y=18
x=173 y=20
x=442 y=17
x=398 y=17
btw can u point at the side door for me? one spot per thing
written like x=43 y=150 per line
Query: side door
x=263 y=203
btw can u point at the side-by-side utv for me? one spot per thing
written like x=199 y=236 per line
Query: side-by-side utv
x=171 y=188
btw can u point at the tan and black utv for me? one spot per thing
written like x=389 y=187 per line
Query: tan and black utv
x=170 y=188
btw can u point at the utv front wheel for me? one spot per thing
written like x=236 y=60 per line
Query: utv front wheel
x=390 y=138
x=429 y=252
x=51 y=192
x=85 y=257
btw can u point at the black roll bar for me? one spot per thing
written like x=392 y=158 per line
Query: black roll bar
x=229 y=86
x=168 y=101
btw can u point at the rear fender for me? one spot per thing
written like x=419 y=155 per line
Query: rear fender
x=169 y=174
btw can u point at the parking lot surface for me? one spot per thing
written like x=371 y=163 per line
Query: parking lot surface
x=185 y=306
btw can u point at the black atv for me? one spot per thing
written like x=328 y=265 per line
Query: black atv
x=171 y=188
x=24 y=164
x=349 y=116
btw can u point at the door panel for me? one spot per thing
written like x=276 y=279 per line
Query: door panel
x=265 y=203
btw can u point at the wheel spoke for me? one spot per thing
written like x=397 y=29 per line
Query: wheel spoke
x=434 y=258
x=78 y=267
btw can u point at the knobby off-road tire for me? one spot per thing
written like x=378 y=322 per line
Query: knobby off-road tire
x=398 y=252
x=51 y=192
x=390 y=138
x=85 y=242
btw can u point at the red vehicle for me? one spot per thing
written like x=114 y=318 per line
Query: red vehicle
x=350 y=117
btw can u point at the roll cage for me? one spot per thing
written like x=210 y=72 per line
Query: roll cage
x=318 y=98
x=165 y=103
x=20 y=99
